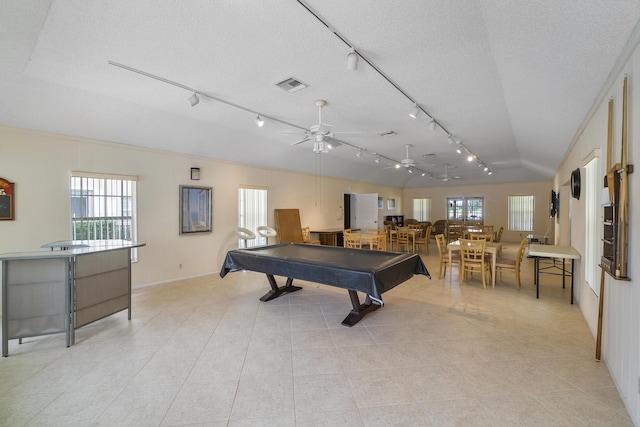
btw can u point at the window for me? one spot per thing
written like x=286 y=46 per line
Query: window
x=465 y=209
x=252 y=213
x=422 y=209
x=103 y=207
x=592 y=221
x=521 y=211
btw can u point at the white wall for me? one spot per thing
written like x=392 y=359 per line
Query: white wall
x=40 y=164
x=621 y=321
x=495 y=203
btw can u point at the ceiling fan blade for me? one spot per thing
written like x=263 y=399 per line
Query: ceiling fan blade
x=334 y=142
x=305 y=139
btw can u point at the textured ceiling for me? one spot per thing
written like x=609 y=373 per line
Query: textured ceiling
x=512 y=80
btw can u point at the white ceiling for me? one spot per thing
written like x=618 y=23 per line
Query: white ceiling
x=512 y=80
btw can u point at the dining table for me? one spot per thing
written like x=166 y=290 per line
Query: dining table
x=493 y=248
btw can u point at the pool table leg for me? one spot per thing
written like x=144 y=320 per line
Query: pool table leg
x=359 y=310
x=276 y=291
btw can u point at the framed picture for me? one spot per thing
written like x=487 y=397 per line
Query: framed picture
x=7 y=201
x=195 y=209
x=391 y=204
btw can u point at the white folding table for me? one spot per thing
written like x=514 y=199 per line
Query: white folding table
x=553 y=252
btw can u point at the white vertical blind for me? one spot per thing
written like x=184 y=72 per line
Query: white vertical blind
x=422 y=209
x=252 y=212
x=592 y=223
x=521 y=213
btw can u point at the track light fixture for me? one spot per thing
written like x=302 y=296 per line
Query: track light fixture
x=259 y=121
x=490 y=172
x=352 y=60
x=450 y=139
x=432 y=125
x=470 y=157
x=414 y=113
x=377 y=160
x=193 y=99
x=359 y=153
x=459 y=150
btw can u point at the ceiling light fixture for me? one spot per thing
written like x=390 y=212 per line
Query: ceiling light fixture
x=470 y=158
x=432 y=125
x=490 y=172
x=359 y=153
x=377 y=160
x=459 y=150
x=414 y=113
x=320 y=147
x=259 y=121
x=193 y=99
x=352 y=60
x=423 y=174
x=450 y=139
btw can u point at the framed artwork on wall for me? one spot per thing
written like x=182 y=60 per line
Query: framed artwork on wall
x=196 y=205
x=7 y=201
x=391 y=204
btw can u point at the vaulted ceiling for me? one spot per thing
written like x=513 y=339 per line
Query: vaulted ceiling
x=510 y=81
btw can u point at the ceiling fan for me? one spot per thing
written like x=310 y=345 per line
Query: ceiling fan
x=408 y=162
x=320 y=134
x=446 y=177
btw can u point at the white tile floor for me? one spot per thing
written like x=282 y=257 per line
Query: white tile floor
x=206 y=351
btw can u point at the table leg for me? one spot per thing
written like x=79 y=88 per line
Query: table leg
x=359 y=310
x=536 y=275
x=276 y=291
x=494 y=255
x=563 y=272
x=572 y=261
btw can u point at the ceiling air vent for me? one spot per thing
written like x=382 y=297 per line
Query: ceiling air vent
x=387 y=133
x=291 y=85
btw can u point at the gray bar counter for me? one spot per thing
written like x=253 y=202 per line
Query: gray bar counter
x=53 y=291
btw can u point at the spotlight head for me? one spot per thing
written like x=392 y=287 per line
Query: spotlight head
x=450 y=139
x=352 y=60
x=432 y=125
x=470 y=158
x=259 y=121
x=489 y=173
x=193 y=99
x=414 y=113
x=377 y=159
x=459 y=150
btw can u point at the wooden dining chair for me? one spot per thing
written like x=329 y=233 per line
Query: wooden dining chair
x=472 y=259
x=488 y=237
x=306 y=236
x=390 y=230
x=403 y=238
x=513 y=264
x=444 y=256
x=499 y=235
x=422 y=239
x=352 y=240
